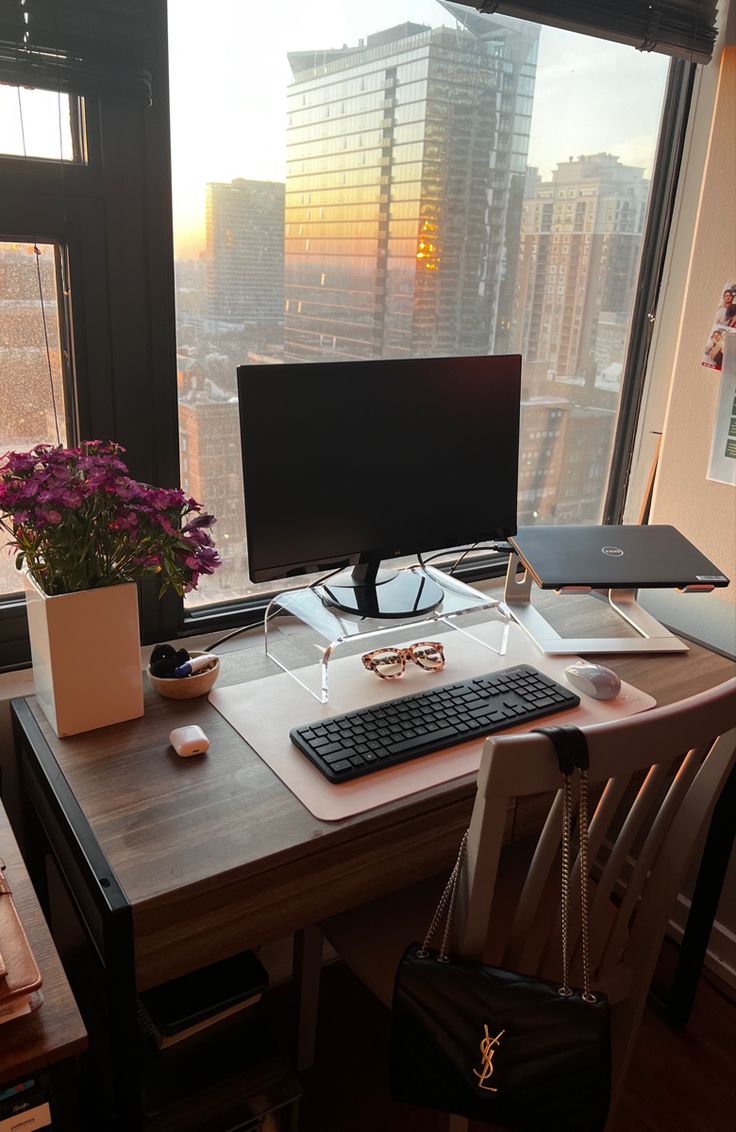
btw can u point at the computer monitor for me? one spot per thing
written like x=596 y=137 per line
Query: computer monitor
x=353 y=463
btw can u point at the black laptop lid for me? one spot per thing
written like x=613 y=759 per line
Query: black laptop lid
x=620 y=557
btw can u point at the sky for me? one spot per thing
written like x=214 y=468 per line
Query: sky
x=229 y=75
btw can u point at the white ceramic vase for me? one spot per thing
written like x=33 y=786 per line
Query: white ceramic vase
x=86 y=656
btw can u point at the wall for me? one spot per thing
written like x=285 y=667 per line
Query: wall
x=705 y=511
x=681 y=395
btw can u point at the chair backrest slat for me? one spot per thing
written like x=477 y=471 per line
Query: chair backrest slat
x=475 y=896
x=524 y=946
x=647 y=852
x=639 y=812
x=694 y=813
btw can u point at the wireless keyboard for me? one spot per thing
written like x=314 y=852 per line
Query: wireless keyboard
x=359 y=742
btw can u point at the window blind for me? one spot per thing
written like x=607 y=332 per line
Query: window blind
x=76 y=46
x=683 y=28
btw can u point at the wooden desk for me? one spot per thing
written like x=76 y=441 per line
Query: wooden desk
x=175 y=863
x=43 y=1044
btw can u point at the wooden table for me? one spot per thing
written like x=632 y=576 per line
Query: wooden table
x=175 y=863
x=43 y=1045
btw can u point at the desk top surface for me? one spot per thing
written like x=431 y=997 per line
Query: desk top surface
x=55 y=1031
x=218 y=848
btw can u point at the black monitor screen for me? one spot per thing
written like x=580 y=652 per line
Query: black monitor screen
x=348 y=462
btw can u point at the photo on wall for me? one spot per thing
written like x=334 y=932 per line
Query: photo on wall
x=722 y=465
x=724 y=322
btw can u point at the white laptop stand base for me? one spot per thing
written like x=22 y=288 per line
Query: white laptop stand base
x=653 y=637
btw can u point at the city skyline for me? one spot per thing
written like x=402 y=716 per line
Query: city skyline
x=577 y=109
x=580 y=107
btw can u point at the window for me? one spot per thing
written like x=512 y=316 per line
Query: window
x=477 y=271
x=414 y=151
x=39 y=123
x=95 y=199
x=31 y=372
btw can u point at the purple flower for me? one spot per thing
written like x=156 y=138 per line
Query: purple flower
x=125 y=521
x=204 y=520
x=77 y=512
x=123 y=487
x=48 y=495
x=207 y=559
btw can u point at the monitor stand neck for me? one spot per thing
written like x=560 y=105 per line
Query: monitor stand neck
x=371 y=592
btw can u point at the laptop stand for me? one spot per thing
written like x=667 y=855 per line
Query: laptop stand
x=652 y=636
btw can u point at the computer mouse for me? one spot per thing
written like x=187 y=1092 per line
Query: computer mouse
x=593 y=679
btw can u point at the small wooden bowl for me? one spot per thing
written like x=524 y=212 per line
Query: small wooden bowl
x=186 y=687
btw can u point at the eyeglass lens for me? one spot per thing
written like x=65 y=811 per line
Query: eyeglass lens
x=389 y=663
x=428 y=656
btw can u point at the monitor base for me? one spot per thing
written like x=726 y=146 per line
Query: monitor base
x=390 y=594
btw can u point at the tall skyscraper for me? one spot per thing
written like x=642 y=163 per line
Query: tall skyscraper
x=406 y=163
x=578 y=256
x=245 y=252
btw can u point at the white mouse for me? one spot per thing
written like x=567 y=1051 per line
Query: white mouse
x=593 y=679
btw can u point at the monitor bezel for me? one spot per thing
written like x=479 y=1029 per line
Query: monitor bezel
x=453 y=537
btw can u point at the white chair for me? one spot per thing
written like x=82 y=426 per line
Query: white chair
x=656 y=775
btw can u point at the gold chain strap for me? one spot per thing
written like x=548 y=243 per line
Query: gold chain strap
x=584 y=908
x=450 y=893
x=565 y=882
x=566 y=989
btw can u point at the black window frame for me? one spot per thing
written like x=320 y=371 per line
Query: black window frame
x=112 y=215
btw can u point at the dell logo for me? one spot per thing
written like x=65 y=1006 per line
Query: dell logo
x=612 y=551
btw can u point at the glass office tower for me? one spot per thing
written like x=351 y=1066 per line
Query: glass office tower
x=245 y=253
x=406 y=165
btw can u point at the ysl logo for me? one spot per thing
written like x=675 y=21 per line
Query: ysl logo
x=488 y=1047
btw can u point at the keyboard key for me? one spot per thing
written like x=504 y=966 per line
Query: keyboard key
x=420 y=740
x=330 y=748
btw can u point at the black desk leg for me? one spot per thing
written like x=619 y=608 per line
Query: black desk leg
x=707 y=892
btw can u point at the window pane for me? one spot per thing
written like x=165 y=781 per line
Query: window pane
x=448 y=186
x=36 y=123
x=31 y=387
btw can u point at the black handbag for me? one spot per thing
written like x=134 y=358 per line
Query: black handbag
x=492 y=1045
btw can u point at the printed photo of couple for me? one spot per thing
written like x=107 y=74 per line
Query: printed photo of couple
x=724 y=322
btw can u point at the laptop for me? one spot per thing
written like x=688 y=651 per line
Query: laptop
x=614 y=557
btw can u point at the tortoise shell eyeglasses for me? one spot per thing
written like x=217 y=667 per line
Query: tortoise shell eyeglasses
x=390 y=663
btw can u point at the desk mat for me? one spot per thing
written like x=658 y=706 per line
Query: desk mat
x=263 y=712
